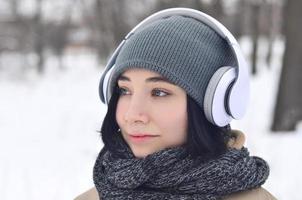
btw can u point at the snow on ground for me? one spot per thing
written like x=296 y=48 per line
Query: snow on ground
x=49 y=124
x=49 y=133
x=282 y=150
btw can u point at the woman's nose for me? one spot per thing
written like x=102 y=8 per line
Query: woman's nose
x=137 y=110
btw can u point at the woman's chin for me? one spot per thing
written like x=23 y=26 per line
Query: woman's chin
x=141 y=153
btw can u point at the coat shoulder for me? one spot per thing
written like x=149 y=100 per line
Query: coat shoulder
x=90 y=194
x=254 y=194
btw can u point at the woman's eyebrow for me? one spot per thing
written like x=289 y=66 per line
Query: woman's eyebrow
x=150 y=79
x=158 y=79
x=123 y=78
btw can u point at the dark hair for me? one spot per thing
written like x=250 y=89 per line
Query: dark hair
x=204 y=139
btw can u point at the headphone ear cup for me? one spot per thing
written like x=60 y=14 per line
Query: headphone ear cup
x=104 y=90
x=216 y=97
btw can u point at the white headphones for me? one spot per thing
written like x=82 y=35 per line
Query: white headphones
x=227 y=93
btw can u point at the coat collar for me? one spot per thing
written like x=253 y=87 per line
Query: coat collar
x=237 y=139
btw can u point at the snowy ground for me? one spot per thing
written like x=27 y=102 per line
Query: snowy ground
x=49 y=138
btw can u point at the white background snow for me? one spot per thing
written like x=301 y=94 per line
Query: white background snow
x=49 y=139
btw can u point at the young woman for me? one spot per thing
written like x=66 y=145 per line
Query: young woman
x=172 y=88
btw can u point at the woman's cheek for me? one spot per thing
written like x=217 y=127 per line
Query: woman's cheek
x=120 y=112
x=173 y=120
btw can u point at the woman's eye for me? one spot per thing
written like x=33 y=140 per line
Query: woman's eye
x=159 y=93
x=123 y=91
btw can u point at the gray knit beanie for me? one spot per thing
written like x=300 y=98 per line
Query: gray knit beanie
x=185 y=51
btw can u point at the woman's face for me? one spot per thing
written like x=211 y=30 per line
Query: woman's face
x=151 y=112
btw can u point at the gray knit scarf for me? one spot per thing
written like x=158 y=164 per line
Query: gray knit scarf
x=172 y=174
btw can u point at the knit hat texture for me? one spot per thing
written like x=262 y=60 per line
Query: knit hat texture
x=182 y=49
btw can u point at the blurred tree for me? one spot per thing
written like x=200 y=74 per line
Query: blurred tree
x=14 y=5
x=255 y=6
x=39 y=31
x=271 y=34
x=164 y=4
x=57 y=39
x=216 y=9
x=112 y=25
x=199 y=5
x=239 y=18
x=196 y=4
x=288 y=110
x=57 y=34
x=274 y=21
x=19 y=34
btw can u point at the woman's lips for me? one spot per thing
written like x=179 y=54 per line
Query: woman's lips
x=141 y=137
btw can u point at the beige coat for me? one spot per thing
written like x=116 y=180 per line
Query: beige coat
x=237 y=142
x=256 y=194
